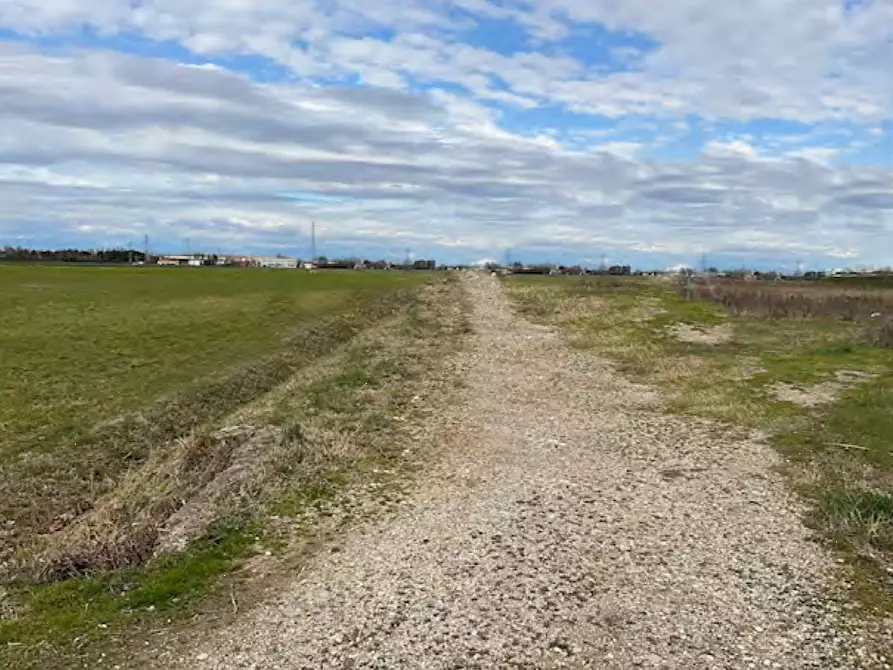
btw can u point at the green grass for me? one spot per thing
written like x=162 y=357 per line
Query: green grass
x=61 y=623
x=86 y=345
x=102 y=365
x=839 y=456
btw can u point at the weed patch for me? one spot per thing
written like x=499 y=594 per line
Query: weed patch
x=790 y=299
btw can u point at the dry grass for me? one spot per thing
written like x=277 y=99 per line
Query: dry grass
x=879 y=332
x=788 y=299
x=123 y=527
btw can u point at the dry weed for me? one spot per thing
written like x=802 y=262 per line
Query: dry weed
x=123 y=527
x=787 y=299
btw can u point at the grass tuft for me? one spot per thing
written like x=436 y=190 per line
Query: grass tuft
x=859 y=516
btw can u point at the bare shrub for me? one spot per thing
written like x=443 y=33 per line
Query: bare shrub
x=879 y=332
x=789 y=299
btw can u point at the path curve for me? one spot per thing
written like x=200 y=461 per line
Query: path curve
x=568 y=525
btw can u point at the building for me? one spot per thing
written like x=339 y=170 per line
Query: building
x=173 y=260
x=190 y=260
x=280 y=262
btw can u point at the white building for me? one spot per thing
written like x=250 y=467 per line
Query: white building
x=281 y=262
x=192 y=260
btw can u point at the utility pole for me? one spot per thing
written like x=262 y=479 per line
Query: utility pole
x=187 y=246
x=146 y=249
x=313 y=242
x=704 y=263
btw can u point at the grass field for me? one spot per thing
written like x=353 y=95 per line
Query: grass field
x=113 y=382
x=793 y=362
x=83 y=346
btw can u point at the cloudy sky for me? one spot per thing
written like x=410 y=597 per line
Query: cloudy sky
x=650 y=131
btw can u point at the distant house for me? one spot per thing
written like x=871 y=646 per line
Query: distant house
x=191 y=260
x=179 y=259
x=281 y=262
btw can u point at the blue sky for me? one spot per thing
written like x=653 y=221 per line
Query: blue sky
x=757 y=133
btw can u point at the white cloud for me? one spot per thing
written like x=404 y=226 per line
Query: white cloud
x=717 y=59
x=817 y=154
x=99 y=142
x=734 y=148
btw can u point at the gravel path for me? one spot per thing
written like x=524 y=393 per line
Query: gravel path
x=567 y=526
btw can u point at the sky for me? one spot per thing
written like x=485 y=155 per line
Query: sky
x=750 y=132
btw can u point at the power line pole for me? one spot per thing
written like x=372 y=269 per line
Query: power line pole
x=313 y=242
x=146 y=249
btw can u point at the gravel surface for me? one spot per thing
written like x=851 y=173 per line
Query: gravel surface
x=568 y=525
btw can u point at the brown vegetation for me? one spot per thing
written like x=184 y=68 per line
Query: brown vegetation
x=790 y=299
x=879 y=332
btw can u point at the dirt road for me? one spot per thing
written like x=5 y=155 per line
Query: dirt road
x=568 y=525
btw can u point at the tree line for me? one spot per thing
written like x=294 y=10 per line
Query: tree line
x=9 y=253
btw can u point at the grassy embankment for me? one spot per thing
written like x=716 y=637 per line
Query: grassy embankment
x=804 y=364
x=115 y=383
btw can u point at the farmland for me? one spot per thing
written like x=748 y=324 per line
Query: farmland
x=113 y=382
x=806 y=366
x=85 y=345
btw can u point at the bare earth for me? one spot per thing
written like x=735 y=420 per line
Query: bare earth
x=567 y=525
